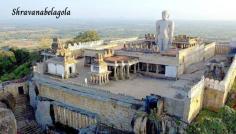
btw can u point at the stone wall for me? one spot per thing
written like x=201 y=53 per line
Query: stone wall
x=230 y=76
x=110 y=112
x=8 y=99
x=194 y=101
x=195 y=54
x=213 y=99
x=189 y=56
x=174 y=107
x=73 y=117
x=32 y=95
x=216 y=92
x=40 y=68
x=13 y=88
x=209 y=50
x=42 y=114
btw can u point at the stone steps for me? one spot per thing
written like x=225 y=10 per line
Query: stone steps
x=31 y=127
x=24 y=115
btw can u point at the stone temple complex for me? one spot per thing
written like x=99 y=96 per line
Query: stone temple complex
x=118 y=86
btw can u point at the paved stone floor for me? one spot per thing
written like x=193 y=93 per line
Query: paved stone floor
x=140 y=86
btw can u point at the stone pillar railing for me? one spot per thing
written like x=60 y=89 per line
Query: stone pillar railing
x=222 y=49
x=72 y=118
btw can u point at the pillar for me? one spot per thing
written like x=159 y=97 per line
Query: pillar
x=76 y=120
x=147 y=69
x=115 y=73
x=44 y=58
x=69 y=118
x=103 y=79
x=73 y=119
x=127 y=71
x=135 y=68
x=79 y=120
x=99 y=79
x=82 y=121
x=157 y=71
x=55 y=112
x=59 y=114
x=107 y=77
x=138 y=67
x=121 y=71
x=64 y=115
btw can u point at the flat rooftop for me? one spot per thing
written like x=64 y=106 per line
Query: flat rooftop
x=139 y=86
x=156 y=58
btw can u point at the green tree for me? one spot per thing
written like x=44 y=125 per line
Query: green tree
x=85 y=37
x=7 y=61
x=19 y=72
x=208 y=126
x=16 y=63
x=22 y=55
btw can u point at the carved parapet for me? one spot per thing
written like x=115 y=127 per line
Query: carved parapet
x=215 y=84
x=99 y=78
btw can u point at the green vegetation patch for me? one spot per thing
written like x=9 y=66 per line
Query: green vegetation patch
x=222 y=122
x=16 y=63
x=85 y=37
x=205 y=113
x=18 y=73
x=7 y=60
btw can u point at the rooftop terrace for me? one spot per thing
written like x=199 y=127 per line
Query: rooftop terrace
x=140 y=86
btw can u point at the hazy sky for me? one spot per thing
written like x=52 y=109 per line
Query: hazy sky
x=128 y=9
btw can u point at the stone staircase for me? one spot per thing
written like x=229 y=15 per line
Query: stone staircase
x=24 y=115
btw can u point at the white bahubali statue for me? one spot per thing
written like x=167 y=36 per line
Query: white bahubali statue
x=164 y=32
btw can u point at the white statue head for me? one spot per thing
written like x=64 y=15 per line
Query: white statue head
x=165 y=15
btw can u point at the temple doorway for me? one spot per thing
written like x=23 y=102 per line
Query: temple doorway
x=21 y=90
x=70 y=70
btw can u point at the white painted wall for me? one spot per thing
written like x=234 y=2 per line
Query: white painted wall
x=59 y=69
x=51 y=68
x=171 y=71
x=55 y=69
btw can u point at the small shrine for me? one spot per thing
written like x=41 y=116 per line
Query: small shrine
x=63 y=65
x=99 y=73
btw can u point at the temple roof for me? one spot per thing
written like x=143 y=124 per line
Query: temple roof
x=58 y=60
x=118 y=58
